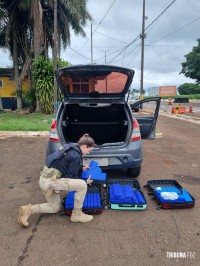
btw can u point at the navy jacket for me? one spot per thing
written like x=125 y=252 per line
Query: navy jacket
x=70 y=164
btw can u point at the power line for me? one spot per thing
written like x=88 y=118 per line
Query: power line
x=79 y=53
x=144 y=30
x=98 y=24
x=177 y=30
x=170 y=46
x=137 y=51
x=111 y=37
x=104 y=16
x=125 y=48
x=136 y=47
x=160 y=14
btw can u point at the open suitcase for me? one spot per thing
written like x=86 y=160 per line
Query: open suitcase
x=93 y=203
x=169 y=194
x=124 y=194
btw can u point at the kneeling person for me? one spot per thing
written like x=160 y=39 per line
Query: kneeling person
x=69 y=166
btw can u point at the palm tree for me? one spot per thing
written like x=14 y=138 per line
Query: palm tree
x=26 y=29
x=13 y=28
x=71 y=14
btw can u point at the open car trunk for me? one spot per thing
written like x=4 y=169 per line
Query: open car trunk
x=106 y=124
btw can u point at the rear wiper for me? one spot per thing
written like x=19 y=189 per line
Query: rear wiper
x=94 y=94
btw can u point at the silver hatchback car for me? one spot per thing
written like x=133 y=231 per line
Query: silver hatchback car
x=94 y=102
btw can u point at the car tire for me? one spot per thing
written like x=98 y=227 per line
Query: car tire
x=136 y=109
x=134 y=172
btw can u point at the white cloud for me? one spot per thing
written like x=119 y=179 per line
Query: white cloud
x=123 y=23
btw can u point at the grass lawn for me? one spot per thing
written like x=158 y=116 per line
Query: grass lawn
x=13 y=121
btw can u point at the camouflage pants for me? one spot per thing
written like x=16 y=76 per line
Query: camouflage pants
x=53 y=205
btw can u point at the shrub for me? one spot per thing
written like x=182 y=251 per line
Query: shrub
x=43 y=76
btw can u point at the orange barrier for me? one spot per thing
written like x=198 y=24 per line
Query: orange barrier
x=179 y=110
x=173 y=110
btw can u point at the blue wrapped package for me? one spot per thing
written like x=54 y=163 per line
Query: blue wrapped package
x=128 y=191
x=112 y=197
x=94 y=200
x=134 y=198
x=118 y=191
x=117 y=194
x=99 y=177
x=186 y=195
x=85 y=202
x=140 y=197
x=98 y=200
x=89 y=201
x=92 y=203
x=69 y=202
x=91 y=172
x=95 y=172
x=173 y=194
x=162 y=197
x=93 y=164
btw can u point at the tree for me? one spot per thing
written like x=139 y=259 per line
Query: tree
x=188 y=88
x=12 y=22
x=32 y=23
x=43 y=75
x=191 y=68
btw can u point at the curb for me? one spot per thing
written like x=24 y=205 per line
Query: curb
x=23 y=133
x=192 y=119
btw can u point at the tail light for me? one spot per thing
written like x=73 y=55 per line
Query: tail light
x=136 y=131
x=53 y=135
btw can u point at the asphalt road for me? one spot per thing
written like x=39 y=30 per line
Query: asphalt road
x=131 y=238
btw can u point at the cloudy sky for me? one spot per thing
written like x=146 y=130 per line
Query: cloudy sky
x=116 y=27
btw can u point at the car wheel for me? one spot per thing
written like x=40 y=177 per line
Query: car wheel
x=134 y=172
x=136 y=109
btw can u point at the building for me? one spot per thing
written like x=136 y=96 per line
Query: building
x=162 y=91
x=8 y=91
x=153 y=91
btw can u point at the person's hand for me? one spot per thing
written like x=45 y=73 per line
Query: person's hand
x=85 y=168
x=89 y=181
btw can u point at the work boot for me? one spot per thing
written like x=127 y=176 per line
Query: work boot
x=79 y=216
x=24 y=213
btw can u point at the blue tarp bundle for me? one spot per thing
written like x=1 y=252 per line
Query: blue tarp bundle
x=95 y=172
x=125 y=194
x=92 y=200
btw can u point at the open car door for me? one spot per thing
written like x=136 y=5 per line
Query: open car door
x=146 y=112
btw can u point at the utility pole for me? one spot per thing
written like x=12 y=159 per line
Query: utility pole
x=55 y=54
x=91 y=46
x=142 y=36
x=105 y=51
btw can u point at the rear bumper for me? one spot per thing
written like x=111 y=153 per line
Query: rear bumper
x=129 y=156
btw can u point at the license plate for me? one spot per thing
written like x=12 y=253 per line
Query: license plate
x=100 y=161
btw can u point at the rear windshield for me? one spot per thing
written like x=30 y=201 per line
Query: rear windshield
x=101 y=82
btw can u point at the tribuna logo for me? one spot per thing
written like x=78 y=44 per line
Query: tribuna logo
x=181 y=255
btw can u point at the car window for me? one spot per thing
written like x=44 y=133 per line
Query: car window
x=145 y=109
x=99 y=82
